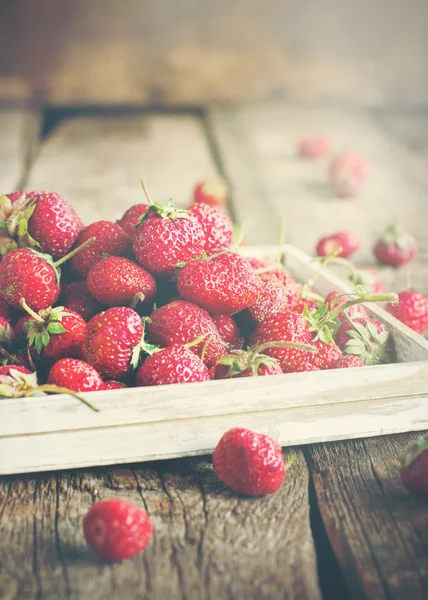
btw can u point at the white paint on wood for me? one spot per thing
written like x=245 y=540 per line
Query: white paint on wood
x=180 y=420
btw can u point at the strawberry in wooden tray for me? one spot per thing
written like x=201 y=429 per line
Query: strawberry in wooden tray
x=175 y=364
x=217 y=226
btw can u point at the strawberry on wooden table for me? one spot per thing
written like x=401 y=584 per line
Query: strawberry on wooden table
x=224 y=283
x=132 y=217
x=395 y=247
x=182 y=322
x=116 y=281
x=412 y=310
x=217 y=226
x=77 y=298
x=414 y=466
x=344 y=242
x=175 y=364
x=348 y=172
x=114 y=340
x=249 y=463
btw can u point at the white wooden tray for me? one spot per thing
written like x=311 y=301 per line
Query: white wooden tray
x=141 y=424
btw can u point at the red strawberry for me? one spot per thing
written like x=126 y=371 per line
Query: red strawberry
x=249 y=463
x=115 y=281
x=6 y=331
x=246 y=363
x=395 y=247
x=368 y=278
x=75 y=375
x=25 y=274
x=414 y=466
x=269 y=271
x=116 y=529
x=113 y=385
x=217 y=226
x=55 y=333
x=5 y=369
x=326 y=356
x=175 y=364
x=166 y=237
x=132 y=217
x=345 y=241
x=110 y=239
x=225 y=283
x=228 y=331
x=77 y=298
x=367 y=338
x=272 y=298
x=348 y=172
x=347 y=361
x=314 y=147
x=309 y=300
x=412 y=310
x=353 y=312
x=113 y=342
x=181 y=322
x=211 y=191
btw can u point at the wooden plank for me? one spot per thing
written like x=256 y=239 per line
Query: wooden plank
x=191 y=53
x=209 y=543
x=258 y=148
x=12 y=147
x=97 y=162
x=377 y=530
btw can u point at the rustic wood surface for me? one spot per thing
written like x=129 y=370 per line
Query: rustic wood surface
x=193 y=52
x=210 y=543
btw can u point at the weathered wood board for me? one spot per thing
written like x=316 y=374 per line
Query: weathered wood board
x=12 y=147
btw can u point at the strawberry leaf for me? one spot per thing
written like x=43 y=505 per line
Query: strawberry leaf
x=56 y=328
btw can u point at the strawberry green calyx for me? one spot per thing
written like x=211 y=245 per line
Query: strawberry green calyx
x=166 y=212
x=393 y=234
x=43 y=325
x=368 y=344
x=143 y=347
x=16 y=220
x=6 y=334
x=412 y=452
x=23 y=385
x=253 y=358
x=324 y=322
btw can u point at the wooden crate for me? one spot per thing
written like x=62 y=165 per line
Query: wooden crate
x=142 y=424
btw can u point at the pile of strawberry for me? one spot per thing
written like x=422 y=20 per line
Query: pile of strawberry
x=159 y=297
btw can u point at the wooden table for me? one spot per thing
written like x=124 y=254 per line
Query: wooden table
x=341 y=526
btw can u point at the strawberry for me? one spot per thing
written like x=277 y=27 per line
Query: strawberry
x=335 y=299
x=115 y=281
x=348 y=172
x=116 y=529
x=345 y=242
x=247 y=363
x=113 y=385
x=55 y=333
x=326 y=355
x=367 y=338
x=77 y=298
x=211 y=191
x=132 y=217
x=395 y=247
x=113 y=342
x=347 y=361
x=75 y=375
x=181 y=322
x=308 y=299
x=269 y=271
x=167 y=237
x=224 y=283
x=314 y=147
x=412 y=310
x=414 y=466
x=228 y=331
x=109 y=239
x=217 y=226
x=5 y=369
x=33 y=276
x=175 y=364
x=272 y=298
x=249 y=463
x=6 y=331
x=368 y=278
x=42 y=220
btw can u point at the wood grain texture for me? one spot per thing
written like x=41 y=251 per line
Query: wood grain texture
x=209 y=543
x=97 y=162
x=12 y=147
x=192 y=52
x=258 y=145
x=377 y=530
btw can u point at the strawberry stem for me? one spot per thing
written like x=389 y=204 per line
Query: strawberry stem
x=146 y=191
x=73 y=252
x=323 y=263
x=393 y=298
x=139 y=297
x=30 y=311
x=194 y=342
x=60 y=390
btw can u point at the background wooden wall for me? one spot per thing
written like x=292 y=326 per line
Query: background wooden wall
x=193 y=52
